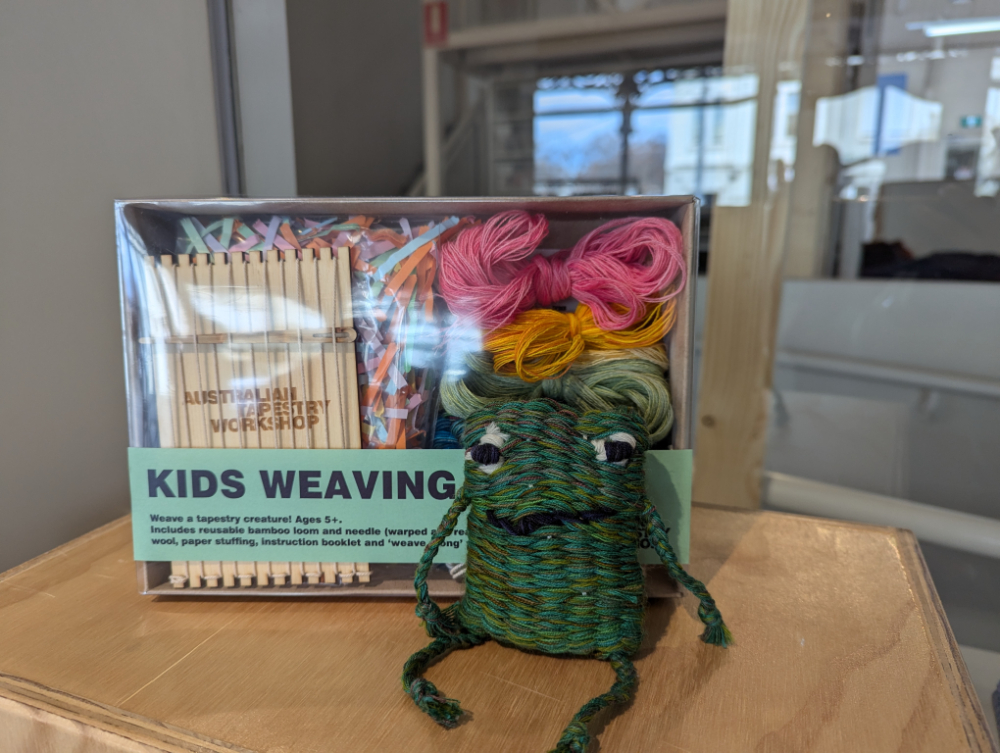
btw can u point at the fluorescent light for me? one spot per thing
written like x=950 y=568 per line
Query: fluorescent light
x=957 y=26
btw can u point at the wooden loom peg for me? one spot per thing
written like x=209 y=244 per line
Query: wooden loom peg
x=213 y=574
x=245 y=573
x=228 y=574
x=263 y=573
x=346 y=572
x=281 y=572
x=196 y=573
x=329 y=573
x=164 y=372
x=364 y=572
x=179 y=574
x=279 y=355
x=194 y=283
x=312 y=572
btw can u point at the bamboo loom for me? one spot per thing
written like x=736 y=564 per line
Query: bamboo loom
x=255 y=349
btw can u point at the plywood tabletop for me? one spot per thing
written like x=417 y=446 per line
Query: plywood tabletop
x=841 y=645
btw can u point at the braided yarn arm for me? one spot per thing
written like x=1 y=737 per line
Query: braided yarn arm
x=442 y=626
x=438 y=623
x=716 y=631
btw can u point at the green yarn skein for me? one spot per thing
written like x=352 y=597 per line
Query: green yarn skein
x=557 y=508
x=602 y=386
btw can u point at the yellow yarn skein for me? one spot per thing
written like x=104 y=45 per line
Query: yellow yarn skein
x=542 y=343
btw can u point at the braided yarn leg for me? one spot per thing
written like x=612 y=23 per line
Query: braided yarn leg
x=576 y=737
x=444 y=711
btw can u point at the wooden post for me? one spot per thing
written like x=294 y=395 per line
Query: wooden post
x=807 y=250
x=433 y=168
x=766 y=38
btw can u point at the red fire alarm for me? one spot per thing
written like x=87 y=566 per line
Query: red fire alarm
x=435 y=23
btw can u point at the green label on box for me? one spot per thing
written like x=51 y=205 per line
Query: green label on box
x=328 y=505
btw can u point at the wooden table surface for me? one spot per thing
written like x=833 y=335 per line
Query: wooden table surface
x=841 y=645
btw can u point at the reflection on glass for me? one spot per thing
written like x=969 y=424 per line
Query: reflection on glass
x=672 y=132
x=576 y=98
x=710 y=152
x=577 y=154
x=890 y=384
x=874 y=120
x=847 y=123
x=907 y=119
x=785 y=124
x=988 y=171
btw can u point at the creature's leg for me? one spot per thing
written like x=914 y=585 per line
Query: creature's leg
x=716 y=631
x=576 y=737
x=444 y=711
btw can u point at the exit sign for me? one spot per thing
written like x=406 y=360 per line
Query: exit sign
x=435 y=23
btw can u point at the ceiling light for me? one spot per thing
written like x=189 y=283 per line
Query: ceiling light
x=957 y=26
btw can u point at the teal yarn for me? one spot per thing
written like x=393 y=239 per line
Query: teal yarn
x=599 y=386
x=445 y=434
x=556 y=509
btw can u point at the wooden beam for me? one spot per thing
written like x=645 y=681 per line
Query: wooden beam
x=807 y=251
x=684 y=36
x=585 y=24
x=765 y=38
x=433 y=167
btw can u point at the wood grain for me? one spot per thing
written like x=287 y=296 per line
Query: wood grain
x=43 y=720
x=765 y=38
x=841 y=645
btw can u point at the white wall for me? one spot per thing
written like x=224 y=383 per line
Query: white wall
x=99 y=99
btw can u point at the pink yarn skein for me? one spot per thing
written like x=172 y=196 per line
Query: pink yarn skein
x=488 y=272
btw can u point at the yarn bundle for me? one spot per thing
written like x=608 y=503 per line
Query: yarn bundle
x=491 y=272
x=606 y=352
x=544 y=343
x=597 y=385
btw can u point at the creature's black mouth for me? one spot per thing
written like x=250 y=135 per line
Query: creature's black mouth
x=530 y=523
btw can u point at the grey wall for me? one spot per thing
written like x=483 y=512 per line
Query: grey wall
x=356 y=95
x=260 y=41
x=101 y=99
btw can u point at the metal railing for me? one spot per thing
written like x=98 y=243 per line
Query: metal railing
x=950 y=528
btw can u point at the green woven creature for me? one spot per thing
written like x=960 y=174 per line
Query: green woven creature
x=557 y=507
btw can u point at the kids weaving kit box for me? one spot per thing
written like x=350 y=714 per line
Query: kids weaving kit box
x=274 y=349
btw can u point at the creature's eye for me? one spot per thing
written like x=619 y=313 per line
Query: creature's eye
x=618 y=451
x=487 y=452
x=617 y=448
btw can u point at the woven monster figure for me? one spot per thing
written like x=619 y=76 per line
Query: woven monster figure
x=557 y=507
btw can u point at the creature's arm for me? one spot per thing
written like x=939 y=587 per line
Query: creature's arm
x=438 y=625
x=716 y=631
